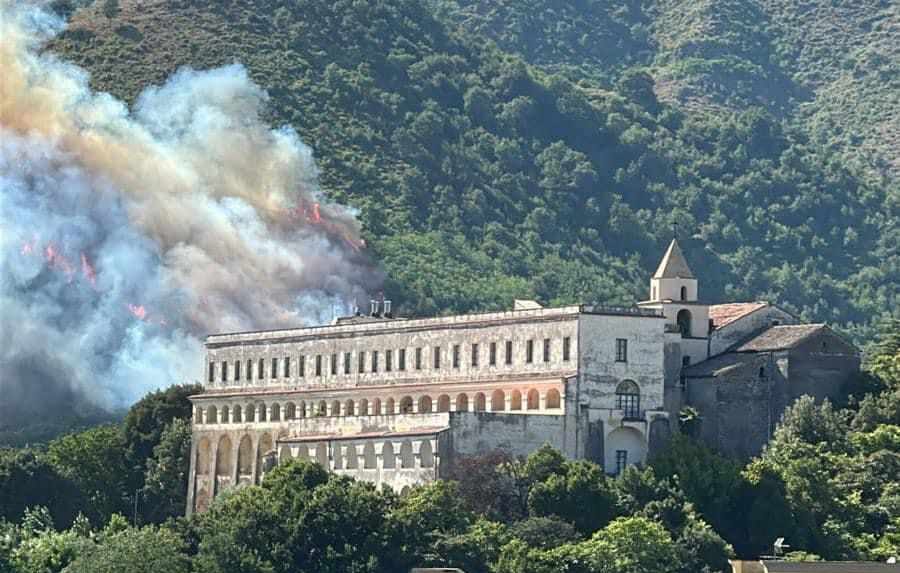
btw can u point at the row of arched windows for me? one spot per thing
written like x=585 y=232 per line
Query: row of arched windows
x=343 y=456
x=497 y=401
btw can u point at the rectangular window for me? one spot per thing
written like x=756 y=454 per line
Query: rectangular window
x=567 y=348
x=261 y=369
x=318 y=364
x=237 y=370
x=249 y=370
x=361 y=362
x=287 y=366
x=224 y=372
x=621 y=350
x=492 y=354
x=529 y=351
x=509 y=351
x=546 y=350
x=418 y=358
x=436 y=355
x=334 y=364
x=456 y=355
x=401 y=359
x=374 y=361
x=212 y=372
x=346 y=363
x=388 y=360
x=475 y=355
x=685 y=360
x=274 y=368
x=621 y=461
x=301 y=366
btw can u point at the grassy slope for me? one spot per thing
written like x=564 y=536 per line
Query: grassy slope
x=480 y=179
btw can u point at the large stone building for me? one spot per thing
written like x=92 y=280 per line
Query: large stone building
x=394 y=401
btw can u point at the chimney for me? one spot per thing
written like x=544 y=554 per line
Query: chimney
x=387 y=309
x=374 y=307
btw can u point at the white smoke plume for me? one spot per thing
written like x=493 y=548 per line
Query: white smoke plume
x=127 y=235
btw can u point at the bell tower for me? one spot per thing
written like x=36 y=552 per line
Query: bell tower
x=674 y=292
x=673 y=280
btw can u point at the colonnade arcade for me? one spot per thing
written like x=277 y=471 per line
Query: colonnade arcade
x=223 y=461
x=517 y=400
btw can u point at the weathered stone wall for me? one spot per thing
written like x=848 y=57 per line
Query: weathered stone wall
x=738 y=409
x=474 y=433
x=600 y=373
x=388 y=351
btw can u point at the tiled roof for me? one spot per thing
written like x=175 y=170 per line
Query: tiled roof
x=727 y=363
x=724 y=314
x=780 y=337
x=673 y=264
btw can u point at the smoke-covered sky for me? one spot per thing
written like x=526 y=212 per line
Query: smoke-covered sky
x=127 y=235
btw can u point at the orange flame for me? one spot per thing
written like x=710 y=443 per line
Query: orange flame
x=88 y=271
x=138 y=311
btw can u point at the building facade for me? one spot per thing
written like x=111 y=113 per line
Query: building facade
x=395 y=401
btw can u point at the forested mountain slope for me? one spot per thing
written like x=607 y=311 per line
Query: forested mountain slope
x=830 y=66
x=480 y=178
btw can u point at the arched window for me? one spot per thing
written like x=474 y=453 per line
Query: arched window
x=250 y=410
x=426 y=455
x=352 y=458
x=322 y=455
x=684 y=322
x=498 y=401
x=480 y=402
x=363 y=407
x=237 y=416
x=198 y=415
x=245 y=458
x=534 y=399
x=290 y=411
x=337 y=460
x=762 y=371
x=389 y=407
x=203 y=461
x=336 y=408
x=322 y=409
x=276 y=412
x=684 y=293
x=264 y=448
x=407 y=459
x=376 y=407
x=301 y=409
x=443 y=403
x=516 y=402
x=224 y=464
x=406 y=405
x=302 y=452
x=224 y=415
x=349 y=408
x=552 y=400
x=628 y=399
x=369 y=456
x=263 y=415
x=212 y=415
x=462 y=403
x=388 y=461
x=425 y=404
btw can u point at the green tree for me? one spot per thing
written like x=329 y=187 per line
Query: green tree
x=95 y=461
x=165 y=481
x=146 y=550
x=28 y=479
x=580 y=496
